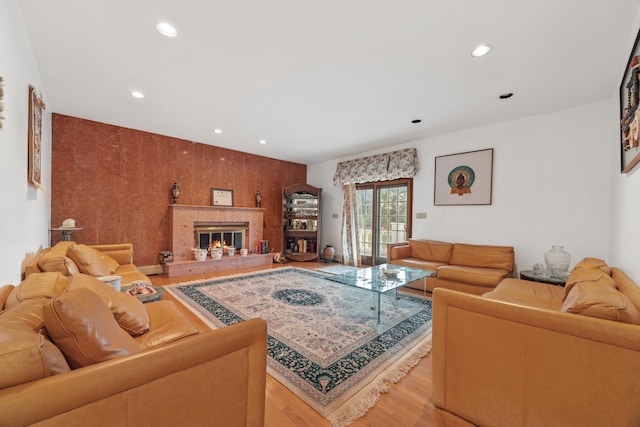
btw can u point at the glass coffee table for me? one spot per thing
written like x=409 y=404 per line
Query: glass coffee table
x=374 y=279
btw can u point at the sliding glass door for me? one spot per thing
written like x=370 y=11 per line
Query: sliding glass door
x=384 y=216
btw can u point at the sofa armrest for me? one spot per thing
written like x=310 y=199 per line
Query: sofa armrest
x=121 y=252
x=398 y=251
x=496 y=363
x=216 y=375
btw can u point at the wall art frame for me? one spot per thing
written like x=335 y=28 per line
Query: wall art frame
x=464 y=178
x=36 y=106
x=221 y=197
x=1 y=98
x=629 y=111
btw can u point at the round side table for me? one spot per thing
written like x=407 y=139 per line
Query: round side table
x=552 y=280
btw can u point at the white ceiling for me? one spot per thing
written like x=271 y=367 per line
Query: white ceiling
x=328 y=78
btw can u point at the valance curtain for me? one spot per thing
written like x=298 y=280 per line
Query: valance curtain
x=380 y=167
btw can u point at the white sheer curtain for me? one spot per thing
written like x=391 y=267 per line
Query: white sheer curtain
x=350 y=241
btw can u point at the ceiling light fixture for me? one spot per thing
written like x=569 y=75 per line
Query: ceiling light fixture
x=166 y=29
x=506 y=95
x=262 y=141
x=218 y=131
x=416 y=121
x=481 y=50
x=137 y=94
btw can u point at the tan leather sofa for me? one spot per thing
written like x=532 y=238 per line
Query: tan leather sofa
x=467 y=268
x=74 y=352
x=95 y=260
x=534 y=354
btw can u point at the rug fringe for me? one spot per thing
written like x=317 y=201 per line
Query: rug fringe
x=382 y=386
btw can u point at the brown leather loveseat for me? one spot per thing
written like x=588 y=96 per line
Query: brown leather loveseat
x=468 y=268
x=535 y=354
x=75 y=352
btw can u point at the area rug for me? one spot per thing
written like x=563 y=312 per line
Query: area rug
x=322 y=342
x=338 y=269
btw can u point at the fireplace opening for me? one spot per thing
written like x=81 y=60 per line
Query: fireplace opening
x=230 y=234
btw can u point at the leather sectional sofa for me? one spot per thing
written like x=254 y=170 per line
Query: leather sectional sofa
x=535 y=354
x=75 y=352
x=468 y=268
x=70 y=258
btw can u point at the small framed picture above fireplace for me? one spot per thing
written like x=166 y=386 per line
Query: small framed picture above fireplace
x=220 y=197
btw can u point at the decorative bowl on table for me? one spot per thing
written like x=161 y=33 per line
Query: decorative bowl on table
x=390 y=272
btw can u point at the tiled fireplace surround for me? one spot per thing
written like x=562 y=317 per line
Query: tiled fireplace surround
x=183 y=220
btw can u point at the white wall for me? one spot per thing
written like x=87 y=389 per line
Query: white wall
x=551 y=186
x=25 y=211
x=625 y=199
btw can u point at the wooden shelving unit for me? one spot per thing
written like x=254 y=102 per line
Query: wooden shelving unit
x=301 y=222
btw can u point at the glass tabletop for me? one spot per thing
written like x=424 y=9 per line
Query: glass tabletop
x=374 y=278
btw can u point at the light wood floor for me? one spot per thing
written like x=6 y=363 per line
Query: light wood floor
x=407 y=404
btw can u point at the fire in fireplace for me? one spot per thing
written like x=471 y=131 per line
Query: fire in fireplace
x=230 y=234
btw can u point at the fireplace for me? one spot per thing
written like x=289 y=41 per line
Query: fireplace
x=230 y=234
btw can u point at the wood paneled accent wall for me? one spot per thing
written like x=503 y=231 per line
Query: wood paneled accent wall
x=116 y=183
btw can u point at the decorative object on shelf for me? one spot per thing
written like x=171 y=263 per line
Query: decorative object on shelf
x=199 y=254
x=231 y=251
x=67 y=228
x=258 y=199
x=464 y=178
x=629 y=111
x=557 y=260
x=166 y=256
x=175 y=192
x=36 y=105
x=328 y=253
x=216 y=253
x=220 y=197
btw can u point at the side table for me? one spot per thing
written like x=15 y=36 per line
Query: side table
x=150 y=293
x=552 y=280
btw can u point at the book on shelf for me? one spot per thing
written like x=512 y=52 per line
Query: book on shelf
x=263 y=246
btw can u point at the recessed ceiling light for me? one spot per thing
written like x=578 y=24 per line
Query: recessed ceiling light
x=506 y=95
x=137 y=94
x=481 y=50
x=416 y=121
x=217 y=131
x=262 y=141
x=166 y=29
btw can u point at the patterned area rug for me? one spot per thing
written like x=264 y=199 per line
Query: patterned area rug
x=322 y=342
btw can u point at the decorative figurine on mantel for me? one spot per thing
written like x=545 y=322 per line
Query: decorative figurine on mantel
x=175 y=192
x=258 y=199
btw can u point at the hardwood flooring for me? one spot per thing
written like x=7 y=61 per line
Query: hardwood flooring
x=407 y=404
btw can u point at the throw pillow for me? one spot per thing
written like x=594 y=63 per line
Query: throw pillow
x=596 y=263
x=54 y=261
x=593 y=299
x=83 y=328
x=38 y=285
x=588 y=275
x=91 y=261
x=127 y=310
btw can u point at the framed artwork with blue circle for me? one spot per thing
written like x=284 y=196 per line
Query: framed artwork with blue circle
x=464 y=178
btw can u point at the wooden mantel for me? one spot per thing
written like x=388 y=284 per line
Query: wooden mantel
x=184 y=217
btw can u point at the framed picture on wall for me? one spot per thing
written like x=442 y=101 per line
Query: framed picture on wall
x=629 y=112
x=36 y=106
x=464 y=178
x=220 y=197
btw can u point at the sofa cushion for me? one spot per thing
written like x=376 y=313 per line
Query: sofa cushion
x=500 y=257
x=417 y=263
x=590 y=275
x=38 y=285
x=167 y=323
x=91 y=261
x=525 y=292
x=127 y=310
x=593 y=299
x=489 y=277
x=84 y=329
x=431 y=250
x=25 y=352
x=54 y=261
x=593 y=263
